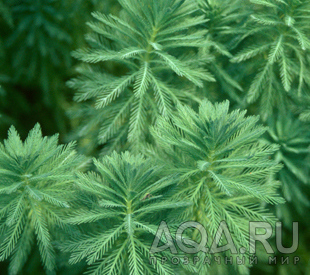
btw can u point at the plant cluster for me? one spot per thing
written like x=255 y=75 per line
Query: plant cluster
x=183 y=110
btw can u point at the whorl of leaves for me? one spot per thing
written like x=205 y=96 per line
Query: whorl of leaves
x=279 y=60
x=153 y=46
x=129 y=196
x=224 y=170
x=36 y=179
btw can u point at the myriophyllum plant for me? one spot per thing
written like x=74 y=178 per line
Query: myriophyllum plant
x=154 y=45
x=279 y=60
x=293 y=136
x=130 y=199
x=222 y=167
x=36 y=180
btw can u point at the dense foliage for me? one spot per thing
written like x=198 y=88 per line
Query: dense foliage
x=192 y=110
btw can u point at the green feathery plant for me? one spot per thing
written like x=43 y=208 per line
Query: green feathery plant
x=224 y=20
x=36 y=58
x=223 y=168
x=153 y=47
x=279 y=60
x=293 y=136
x=129 y=199
x=36 y=181
x=40 y=45
x=147 y=73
